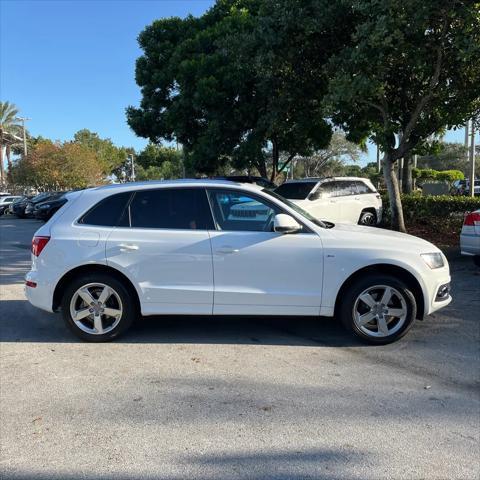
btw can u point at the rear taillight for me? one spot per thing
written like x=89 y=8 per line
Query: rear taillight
x=472 y=218
x=38 y=244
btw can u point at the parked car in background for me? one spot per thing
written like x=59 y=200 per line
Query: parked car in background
x=260 y=181
x=336 y=199
x=18 y=208
x=173 y=247
x=462 y=187
x=41 y=197
x=46 y=209
x=470 y=236
x=6 y=201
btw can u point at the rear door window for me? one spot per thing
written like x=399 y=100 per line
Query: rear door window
x=340 y=188
x=295 y=190
x=172 y=208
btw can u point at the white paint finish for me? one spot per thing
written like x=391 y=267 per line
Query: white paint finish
x=266 y=269
x=171 y=267
x=344 y=208
x=254 y=272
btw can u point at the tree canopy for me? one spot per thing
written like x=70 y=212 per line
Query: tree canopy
x=58 y=166
x=211 y=84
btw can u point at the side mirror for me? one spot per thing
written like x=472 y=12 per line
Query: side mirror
x=285 y=224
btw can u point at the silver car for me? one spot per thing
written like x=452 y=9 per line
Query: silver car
x=470 y=236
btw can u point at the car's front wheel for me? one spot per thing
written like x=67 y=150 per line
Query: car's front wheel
x=378 y=308
x=98 y=307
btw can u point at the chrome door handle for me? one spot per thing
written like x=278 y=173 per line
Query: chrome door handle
x=127 y=247
x=226 y=250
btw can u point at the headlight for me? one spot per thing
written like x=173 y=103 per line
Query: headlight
x=433 y=260
x=45 y=206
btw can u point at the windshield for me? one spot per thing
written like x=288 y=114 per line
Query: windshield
x=299 y=210
x=295 y=190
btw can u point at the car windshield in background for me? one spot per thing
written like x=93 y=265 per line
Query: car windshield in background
x=295 y=207
x=295 y=190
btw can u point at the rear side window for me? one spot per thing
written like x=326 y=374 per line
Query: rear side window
x=295 y=190
x=110 y=212
x=362 y=187
x=338 y=188
x=172 y=208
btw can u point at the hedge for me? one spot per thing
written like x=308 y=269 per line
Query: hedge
x=433 y=210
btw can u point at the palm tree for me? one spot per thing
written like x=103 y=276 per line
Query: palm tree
x=8 y=122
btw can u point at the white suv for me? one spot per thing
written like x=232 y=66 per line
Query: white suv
x=115 y=252
x=336 y=199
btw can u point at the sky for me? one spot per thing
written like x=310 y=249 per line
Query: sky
x=70 y=64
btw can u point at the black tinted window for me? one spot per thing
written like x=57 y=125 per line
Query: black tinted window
x=110 y=212
x=173 y=208
x=295 y=190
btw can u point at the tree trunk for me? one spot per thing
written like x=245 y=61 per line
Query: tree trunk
x=407 y=183
x=275 y=158
x=391 y=182
x=262 y=168
x=2 y=173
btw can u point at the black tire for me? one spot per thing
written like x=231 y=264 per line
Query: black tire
x=476 y=260
x=128 y=306
x=349 y=298
x=368 y=218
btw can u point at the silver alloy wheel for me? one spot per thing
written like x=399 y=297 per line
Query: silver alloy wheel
x=368 y=218
x=380 y=311
x=96 y=308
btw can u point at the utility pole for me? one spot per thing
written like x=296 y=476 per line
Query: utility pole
x=23 y=120
x=472 y=159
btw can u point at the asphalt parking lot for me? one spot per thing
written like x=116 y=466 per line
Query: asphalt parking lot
x=220 y=398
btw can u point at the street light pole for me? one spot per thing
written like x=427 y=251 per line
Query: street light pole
x=472 y=159
x=23 y=120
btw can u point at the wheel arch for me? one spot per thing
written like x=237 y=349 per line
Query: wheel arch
x=386 y=268
x=90 y=269
x=369 y=210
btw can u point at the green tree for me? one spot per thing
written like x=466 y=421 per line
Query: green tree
x=157 y=162
x=8 y=124
x=208 y=83
x=338 y=152
x=109 y=156
x=450 y=156
x=408 y=70
x=58 y=166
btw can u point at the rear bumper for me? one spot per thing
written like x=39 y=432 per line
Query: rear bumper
x=470 y=244
x=40 y=296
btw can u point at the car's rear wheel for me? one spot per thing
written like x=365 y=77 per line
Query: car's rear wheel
x=378 y=309
x=368 y=218
x=98 y=307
